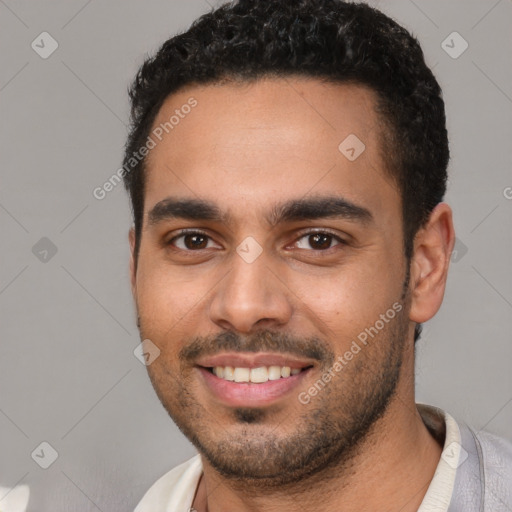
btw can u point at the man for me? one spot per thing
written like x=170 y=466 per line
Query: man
x=287 y=167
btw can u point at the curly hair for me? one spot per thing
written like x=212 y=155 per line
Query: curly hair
x=331 y=40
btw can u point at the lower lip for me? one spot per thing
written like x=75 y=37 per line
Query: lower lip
x=250 y=394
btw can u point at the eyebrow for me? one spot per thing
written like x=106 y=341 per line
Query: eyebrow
x=313 y=208
x=292 y=210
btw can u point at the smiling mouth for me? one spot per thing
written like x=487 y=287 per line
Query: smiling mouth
x=258 y=375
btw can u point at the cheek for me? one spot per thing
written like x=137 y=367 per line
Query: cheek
x=343 y=303
x=168 y=299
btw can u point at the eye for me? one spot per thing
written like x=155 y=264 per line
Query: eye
x=191 y=241
x=318 y=241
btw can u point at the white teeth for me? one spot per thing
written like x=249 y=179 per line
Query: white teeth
x=259 y=374
x=242 y=374
x=256 y=375
x=228 y=373
x=274 y=372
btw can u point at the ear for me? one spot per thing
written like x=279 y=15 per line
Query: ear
x=433 y=245
x=133 y=269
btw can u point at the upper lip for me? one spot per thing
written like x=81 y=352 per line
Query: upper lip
x=253 y=360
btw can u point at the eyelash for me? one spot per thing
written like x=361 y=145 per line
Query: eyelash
x=185 y=232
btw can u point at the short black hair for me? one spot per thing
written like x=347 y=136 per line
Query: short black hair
x=331 y=40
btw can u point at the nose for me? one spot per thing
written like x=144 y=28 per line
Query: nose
x=250 y=297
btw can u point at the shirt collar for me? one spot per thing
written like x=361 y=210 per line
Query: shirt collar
x=440 y=490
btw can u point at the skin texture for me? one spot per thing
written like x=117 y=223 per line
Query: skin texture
x=246 y=148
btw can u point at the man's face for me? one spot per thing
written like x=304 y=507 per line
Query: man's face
x=270 y=275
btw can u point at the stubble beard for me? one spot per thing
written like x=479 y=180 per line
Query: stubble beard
x=326 y=433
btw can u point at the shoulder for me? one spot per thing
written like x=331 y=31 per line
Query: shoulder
x=498 y=449
x=174 y=490
x=496 y=456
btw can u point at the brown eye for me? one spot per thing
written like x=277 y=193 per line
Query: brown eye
x=319 y=241
x=190 y=241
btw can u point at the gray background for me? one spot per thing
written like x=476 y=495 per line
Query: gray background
x=68 y=375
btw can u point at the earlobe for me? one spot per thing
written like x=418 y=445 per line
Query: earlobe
x=433 y=246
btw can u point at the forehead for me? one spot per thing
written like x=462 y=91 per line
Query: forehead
x=245 y=145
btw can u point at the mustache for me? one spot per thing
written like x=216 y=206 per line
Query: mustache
x=262 y=341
